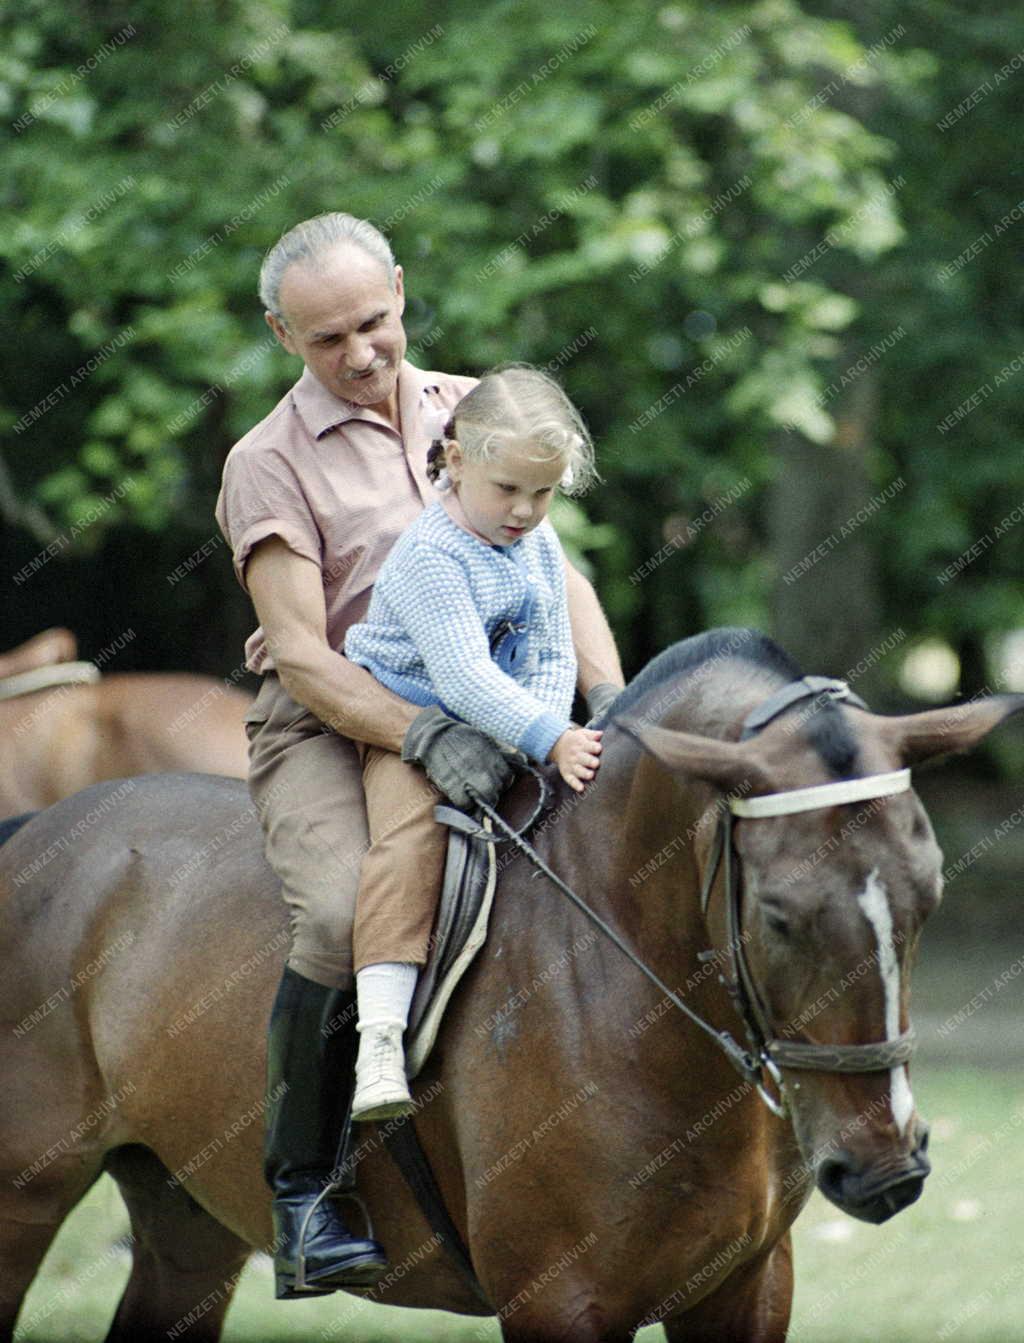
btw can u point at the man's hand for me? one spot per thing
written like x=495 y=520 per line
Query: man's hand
x=599 y=697
x=464 y=763
x=577 y=753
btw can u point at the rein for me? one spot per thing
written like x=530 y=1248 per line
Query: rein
x=738 y=1057
x=767 y=1053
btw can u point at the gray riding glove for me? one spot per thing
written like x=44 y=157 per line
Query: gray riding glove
x=599 y=697
x=461 y=761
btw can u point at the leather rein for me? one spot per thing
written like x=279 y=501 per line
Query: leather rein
x=767 y=1053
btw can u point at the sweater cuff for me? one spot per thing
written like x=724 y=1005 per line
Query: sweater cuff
x=541 y=735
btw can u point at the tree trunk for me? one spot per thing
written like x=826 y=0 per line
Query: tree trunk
x=823 y=521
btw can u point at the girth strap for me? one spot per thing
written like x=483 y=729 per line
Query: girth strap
x=403 y=1143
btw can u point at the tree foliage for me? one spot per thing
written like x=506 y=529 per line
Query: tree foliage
x=702 y=216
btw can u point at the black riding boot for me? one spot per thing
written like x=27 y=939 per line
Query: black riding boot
x=311 y=1049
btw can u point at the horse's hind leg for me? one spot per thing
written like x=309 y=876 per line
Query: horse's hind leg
x=185 y=1265
x=752 y=1305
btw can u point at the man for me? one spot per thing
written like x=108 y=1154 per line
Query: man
x=313 y=499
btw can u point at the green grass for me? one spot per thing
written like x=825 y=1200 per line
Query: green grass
x=949 y=1267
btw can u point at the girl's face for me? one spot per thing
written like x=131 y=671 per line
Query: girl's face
x=505 y=497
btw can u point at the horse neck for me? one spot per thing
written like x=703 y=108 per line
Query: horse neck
x=613 y=846
x=632 y=845
x=545 y=952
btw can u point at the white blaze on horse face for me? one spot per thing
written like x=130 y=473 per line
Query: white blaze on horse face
x=874 y=901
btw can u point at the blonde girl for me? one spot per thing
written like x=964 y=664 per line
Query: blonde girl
x=468 y=614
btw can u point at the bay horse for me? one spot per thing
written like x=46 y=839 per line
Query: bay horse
x=59 y=738
x=608 y=1161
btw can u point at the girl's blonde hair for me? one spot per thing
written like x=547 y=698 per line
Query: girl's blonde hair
x=519 y=407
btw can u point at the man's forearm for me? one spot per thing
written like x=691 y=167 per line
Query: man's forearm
x=596 y=655
x=345 y=697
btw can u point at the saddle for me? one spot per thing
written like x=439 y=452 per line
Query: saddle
x=460 y=930
x=464 y=909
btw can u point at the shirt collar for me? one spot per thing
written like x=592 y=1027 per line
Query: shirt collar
x=321 y=411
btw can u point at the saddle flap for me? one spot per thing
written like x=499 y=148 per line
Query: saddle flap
x=460 y=930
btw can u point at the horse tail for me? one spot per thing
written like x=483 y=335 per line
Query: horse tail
x=12 y=824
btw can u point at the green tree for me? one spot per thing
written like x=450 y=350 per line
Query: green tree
x=617 y=190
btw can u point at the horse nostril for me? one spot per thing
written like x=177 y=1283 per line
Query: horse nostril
x=831 y=1174
x=921 y=1138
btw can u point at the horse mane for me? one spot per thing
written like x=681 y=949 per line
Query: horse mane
x=823 y=726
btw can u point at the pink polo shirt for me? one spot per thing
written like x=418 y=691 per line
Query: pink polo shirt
x=337 y=483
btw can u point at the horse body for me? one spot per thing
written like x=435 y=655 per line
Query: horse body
x=603 y=1161
x=59 y=740
x=45 y=649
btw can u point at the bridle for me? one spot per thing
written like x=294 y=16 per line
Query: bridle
x=43 y=678
x=767 y=1053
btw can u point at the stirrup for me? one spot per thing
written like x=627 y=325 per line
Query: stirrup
x=341 y=1186
x=343 y=1195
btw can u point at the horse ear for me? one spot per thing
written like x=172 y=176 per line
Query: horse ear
x=727 y=764
x=922 y=736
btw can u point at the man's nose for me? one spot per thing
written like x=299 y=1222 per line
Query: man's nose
x=359 y=354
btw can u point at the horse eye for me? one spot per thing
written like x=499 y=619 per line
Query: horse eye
x=776 y=920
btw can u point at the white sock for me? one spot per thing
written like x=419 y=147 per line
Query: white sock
x=384 y=993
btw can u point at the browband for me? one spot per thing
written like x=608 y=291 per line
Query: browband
x=822 y=795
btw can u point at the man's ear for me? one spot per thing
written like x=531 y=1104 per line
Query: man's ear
x=280 y=331
x=400 y=289
x=453 y=458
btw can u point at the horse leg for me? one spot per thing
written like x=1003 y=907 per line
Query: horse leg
x=751 y=1306
x=31 y=1214
x=568 y=1324
x=185 y=1264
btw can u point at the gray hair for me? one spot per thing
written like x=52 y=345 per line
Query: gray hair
x=521 y=408
x=309 y=241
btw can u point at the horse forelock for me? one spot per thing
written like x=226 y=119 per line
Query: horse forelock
x=717 y=656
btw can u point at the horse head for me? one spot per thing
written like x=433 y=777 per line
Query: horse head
x=816 y=886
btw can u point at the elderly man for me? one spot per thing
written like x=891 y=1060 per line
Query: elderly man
x=313 y=498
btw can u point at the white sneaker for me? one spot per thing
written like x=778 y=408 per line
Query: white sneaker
x=382 y=1091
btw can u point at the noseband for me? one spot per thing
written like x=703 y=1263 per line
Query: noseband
x=768 y=1052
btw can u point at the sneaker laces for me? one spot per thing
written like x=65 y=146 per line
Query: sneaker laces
x=384 y=1046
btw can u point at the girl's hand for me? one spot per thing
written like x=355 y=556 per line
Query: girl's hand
x=577 y=753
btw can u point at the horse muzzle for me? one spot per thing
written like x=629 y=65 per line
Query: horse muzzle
x=877 y=1191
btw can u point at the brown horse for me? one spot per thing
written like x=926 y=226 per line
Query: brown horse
x=46 y=649
x=59 y=739
x=603 y=1160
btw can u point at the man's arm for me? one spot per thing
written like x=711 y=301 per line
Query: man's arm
x=593 y=641
x=287 y=591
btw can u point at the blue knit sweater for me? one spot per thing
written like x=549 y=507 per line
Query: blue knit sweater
x=481 y=630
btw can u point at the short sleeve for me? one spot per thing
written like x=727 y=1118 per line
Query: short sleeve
x=261 y=496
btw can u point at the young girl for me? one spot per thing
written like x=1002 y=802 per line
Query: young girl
x=469 y=612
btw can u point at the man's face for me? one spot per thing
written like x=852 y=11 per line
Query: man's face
x=345 y=321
